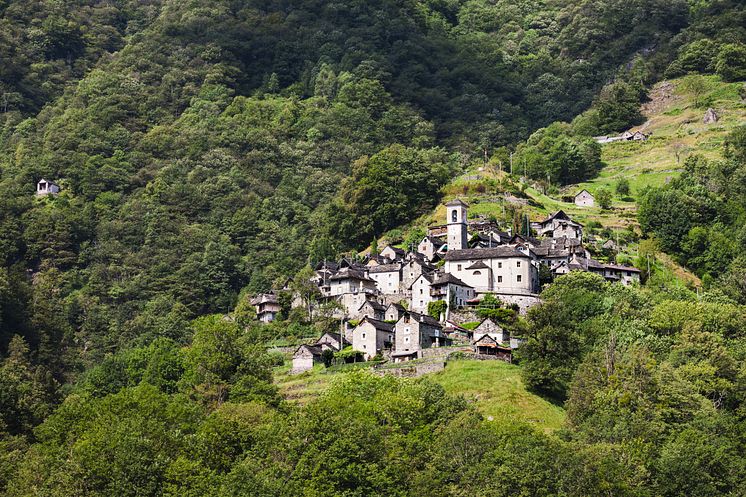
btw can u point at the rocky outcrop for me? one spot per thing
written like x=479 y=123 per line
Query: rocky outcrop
x=711 y=116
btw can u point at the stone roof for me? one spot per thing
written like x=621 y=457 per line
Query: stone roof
x=377 y=306
x=396 y=250
x=502 y=251
x=423 y=318
x=264 y=298
x=313 y=349
x=435 y=240
x=349 y=273
x=377 y=324
x=334 y=336
x=560 y=214
x=447 y=278
x=456 y=202
x=385 y=268
x=622 y=268
x=478 y=265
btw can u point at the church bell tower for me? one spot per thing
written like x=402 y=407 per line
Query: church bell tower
x=456 y=219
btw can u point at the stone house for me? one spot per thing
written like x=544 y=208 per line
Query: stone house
x=559 y=225
x=267 y=307
x=414 y=266
x=430 y=247
x=639 y=136
x=393 y=253
x=584 y=198
x=45 y=187
x=491 y=328
x=626 y=275
x=373 y=309
x=372 y=336
x=350 y=280
x=452 y=290
x=394 y=312
x=505 y=269
x=556 y=253
x=332 y=341
x=387 y=277
x=414 y=332
x=420 y=291
x=614 y=273
x=487 y=347
x=305 y=357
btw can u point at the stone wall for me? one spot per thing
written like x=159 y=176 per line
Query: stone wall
x=412 y=370
x=460 y=316
x=525 y=302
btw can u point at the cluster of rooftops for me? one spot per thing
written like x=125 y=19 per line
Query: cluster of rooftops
x=458 y=265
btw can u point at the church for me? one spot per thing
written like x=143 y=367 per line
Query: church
x=509 y=271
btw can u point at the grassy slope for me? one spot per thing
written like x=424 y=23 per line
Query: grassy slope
x=498 y=391
x=675 y=124
x=494 y=386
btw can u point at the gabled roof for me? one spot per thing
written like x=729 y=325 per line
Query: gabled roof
x=428 y=278
x=485 y=339
x=385 y=268
x=42 y=180
x=399 y=307
x=478 y=265
x=396 y=250
x=434 y=240
x=313 y=349
x=377 y=306
x=334 y=336
x=560 y=214
x=622 y=268
x=423 y=318
x=447 y=278
x=456 y=202
x=377 y=324
x=488 y=320
x=349 y=273
x=264 y=298
x=583 y=190
x=332 y=266
x=485 y=253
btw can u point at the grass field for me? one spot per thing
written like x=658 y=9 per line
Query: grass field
x=494 y=387
x=497 y=391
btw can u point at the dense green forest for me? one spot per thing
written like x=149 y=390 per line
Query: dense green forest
x=207 y=150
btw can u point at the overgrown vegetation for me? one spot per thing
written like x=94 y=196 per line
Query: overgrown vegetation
x=208 y=151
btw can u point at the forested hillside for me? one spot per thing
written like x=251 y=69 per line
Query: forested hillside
x=210 y=150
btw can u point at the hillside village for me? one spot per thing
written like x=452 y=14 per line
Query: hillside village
x=387 y=302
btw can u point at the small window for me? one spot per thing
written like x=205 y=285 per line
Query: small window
x=454 y=215
x=519 y=278
x=517 y=263
x=421 y=291
x=364 y=346
x=363 y=335
x=477 y=273
x=458 y=267
x=406 y=339
x=499 y=265
x=499 y=279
